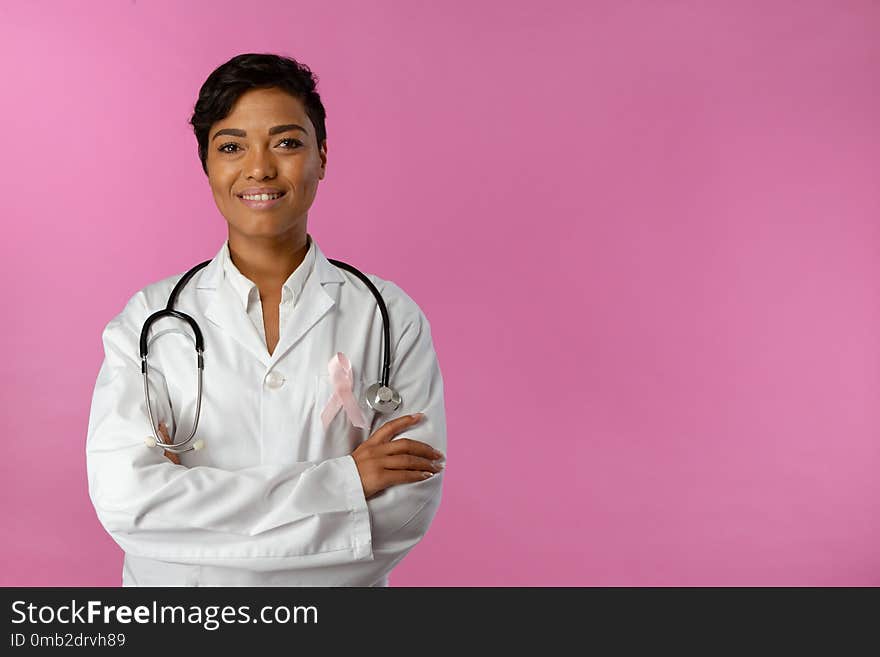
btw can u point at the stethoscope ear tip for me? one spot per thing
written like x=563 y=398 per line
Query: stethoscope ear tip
x=149 y=441
x=199 y=444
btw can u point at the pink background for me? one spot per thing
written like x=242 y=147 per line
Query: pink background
x=645 y=234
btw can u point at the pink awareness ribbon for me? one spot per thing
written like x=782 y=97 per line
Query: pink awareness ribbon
x=343 y=397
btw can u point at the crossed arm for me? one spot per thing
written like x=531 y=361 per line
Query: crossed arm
x=341 y=521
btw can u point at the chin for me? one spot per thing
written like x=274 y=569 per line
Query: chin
x=258 y=228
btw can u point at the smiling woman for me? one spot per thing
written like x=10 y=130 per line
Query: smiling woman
x=259 y=124
x=263 y=178
x=302 y=481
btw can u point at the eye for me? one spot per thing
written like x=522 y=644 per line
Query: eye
x=297 y=143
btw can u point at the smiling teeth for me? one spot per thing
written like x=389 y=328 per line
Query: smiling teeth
x=262 y=197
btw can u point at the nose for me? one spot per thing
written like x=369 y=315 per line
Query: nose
x=260 y=163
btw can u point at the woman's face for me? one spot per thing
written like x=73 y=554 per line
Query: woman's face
x=247 y=156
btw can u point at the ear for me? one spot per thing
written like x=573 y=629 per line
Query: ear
x=322 y=153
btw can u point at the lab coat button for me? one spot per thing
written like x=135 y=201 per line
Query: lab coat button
x=274 y=380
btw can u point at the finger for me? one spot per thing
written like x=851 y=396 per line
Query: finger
x=390 y=429
x=163 y=433
x=394 y=477
x=410 y=446
x=409 y=462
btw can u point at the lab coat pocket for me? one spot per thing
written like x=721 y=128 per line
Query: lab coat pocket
x=340 y=433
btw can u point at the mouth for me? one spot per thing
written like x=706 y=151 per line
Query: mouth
x=261 y=201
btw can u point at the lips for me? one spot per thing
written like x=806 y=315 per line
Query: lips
x=262 y=205
x=251 y=191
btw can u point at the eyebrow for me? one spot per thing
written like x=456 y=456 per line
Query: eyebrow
x=235 y=132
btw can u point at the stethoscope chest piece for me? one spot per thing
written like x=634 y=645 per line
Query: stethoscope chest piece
x=382 y=399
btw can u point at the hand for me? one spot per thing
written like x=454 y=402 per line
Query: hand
x=163 y=434
x=383 y=462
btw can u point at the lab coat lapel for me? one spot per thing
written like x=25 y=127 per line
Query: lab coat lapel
x=225 y=311
x=319 y=295
x=312 y=307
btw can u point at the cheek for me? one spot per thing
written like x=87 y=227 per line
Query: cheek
x=311 y=177
x=219 y=189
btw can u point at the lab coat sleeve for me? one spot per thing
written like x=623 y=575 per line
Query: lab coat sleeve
x=401 y=515
x=266 y=517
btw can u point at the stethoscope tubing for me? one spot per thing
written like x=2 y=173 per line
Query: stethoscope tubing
x=169 y=311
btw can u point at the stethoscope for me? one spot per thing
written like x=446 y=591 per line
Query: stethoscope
x=380 y=396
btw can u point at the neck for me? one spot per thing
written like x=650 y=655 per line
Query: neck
x=268 y=263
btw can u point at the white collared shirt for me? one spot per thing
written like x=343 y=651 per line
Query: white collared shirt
x=274 y=498
x=249 y=294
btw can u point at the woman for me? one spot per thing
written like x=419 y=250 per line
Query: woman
x=300 y=482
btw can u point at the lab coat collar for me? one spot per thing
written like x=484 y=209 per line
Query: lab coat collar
x=212 y=275
x=247 y=290
x=319 y=295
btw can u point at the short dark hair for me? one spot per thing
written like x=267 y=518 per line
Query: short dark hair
x=249 y=71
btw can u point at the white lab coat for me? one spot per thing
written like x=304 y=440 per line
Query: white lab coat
x=272 y=499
